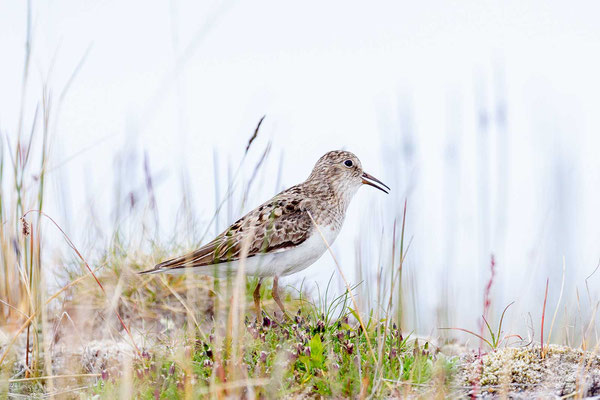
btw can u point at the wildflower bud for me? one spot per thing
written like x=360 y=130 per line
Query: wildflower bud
x=266 y=322
x=349 y=347
x=172 y=369
x=104 y=374
x=145 y=355
x=208 y=363
x=307 y=351
x=393 y=353
x=340 y=336
x=320 y=326
x=26 y=227
x=263 y=357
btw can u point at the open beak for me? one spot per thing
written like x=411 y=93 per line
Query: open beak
x=376 y=183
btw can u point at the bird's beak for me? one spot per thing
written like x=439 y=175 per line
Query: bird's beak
x=376 y=183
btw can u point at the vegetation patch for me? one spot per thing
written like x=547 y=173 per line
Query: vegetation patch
x=562 y=371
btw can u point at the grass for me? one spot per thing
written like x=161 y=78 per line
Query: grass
x=178 y=337
x=186 y=336
x=311 y=355
x=324 y=351
x=496 y=337
x=111 y=333
x=107 y=332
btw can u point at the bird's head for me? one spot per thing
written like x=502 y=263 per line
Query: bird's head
x=342 y=171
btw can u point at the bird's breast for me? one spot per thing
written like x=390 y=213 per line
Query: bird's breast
x=324 y=235
x=312 y=248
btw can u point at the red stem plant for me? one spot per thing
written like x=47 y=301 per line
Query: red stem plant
x=542 y=352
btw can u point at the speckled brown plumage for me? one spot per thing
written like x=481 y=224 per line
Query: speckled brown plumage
x=279 y=223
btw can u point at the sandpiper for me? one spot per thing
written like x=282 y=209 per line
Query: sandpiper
x=280 y=236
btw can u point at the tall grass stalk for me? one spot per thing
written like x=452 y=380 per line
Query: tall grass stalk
x=400 y=303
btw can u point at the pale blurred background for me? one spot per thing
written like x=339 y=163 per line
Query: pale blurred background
x=483 y=115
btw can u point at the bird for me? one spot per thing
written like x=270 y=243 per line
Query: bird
x=285 y=234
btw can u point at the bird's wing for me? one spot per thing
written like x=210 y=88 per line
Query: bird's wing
x=276 y=225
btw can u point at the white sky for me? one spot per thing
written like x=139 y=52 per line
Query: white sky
x=181 y=80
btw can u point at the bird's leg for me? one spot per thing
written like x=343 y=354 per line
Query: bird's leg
x=256 y=296
x=275 y=294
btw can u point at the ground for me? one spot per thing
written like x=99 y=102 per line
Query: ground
x=318 y=354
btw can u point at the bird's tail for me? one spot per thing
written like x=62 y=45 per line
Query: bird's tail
x=154 y=270
x=165 y=266
x=203 y=257
x=172 y=266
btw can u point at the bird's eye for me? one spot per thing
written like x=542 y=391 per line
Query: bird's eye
x=348 y=163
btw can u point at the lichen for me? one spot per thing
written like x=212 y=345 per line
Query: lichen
x=562 y=370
